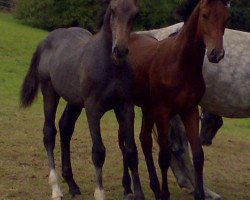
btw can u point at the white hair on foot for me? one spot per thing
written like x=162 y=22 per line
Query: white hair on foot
x=53 y=181
x=99 y=194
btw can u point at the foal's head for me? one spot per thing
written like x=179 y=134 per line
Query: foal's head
x=122 y=16
x=213 y=16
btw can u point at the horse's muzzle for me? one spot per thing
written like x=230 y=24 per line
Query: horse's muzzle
x=120 y=52
x=215 y=56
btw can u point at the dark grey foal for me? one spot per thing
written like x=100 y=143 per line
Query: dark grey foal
x=91 y=72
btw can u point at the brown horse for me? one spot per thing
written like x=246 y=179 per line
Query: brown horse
x=91 y=72
x=169 y=81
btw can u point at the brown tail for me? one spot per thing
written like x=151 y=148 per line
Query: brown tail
x=31 y=82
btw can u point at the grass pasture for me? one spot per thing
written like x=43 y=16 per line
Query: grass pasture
x=23 y=160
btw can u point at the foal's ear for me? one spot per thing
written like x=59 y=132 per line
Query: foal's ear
x=228 y=3
x=106 y=1
x=185 y=10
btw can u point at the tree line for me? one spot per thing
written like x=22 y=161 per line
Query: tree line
x=52 y=14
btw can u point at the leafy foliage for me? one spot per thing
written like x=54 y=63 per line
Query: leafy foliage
x=240 y=15
x=6 y=4
x=52 y=14
x=156 y=13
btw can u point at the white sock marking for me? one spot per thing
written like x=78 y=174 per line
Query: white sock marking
x=53 y=181
x=99 y=194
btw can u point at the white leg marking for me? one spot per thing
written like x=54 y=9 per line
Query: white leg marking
x=99 y=194
x=210 y=195
x=53 y=181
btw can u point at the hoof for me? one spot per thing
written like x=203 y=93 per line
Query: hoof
x=139 y=197
x=199 y=196
x=77 y=197
x=128 y=197
x=75 y=192
x=57 y=198
x=163 y=197
x=99 y=194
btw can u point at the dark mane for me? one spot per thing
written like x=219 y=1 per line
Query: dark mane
x=105 y=4
x=186 y=9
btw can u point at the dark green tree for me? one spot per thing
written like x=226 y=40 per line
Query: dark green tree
x=240 y=15
x=52 y=14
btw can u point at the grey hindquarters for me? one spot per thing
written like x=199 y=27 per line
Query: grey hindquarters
x=60 y=62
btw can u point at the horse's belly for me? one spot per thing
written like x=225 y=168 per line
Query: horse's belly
x=69 y=90
x=66 y=82
x=227 y=88
x=185 y=101
x=226 y=104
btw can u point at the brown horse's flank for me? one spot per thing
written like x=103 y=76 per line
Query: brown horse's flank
x=169 y=81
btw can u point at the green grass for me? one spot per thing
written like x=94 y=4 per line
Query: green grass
x=23 y=161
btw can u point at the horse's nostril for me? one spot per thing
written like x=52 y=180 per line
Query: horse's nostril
x=126 y=51
x=121 y=52
x=115 y=51
x=213 y=53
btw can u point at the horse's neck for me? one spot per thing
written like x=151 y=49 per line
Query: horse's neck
x=189 y=46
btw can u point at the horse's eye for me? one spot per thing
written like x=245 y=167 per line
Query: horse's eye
x=205 y=16
x=112 y=11
x=137 y=15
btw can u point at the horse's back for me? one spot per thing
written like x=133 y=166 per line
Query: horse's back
x=61 y=38
x=163 y=33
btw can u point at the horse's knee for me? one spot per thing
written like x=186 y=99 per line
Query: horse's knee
x=132 y=158
x=66 y=129
x=164 y=159
x=198 y=159
x=146 y=143
x=98 y=155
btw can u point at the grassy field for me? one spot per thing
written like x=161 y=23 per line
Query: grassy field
x=23 y=160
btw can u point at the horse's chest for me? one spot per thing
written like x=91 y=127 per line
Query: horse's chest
x=189 y=96
x=117 y=91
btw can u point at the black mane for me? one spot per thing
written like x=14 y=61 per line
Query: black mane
x=186 y=9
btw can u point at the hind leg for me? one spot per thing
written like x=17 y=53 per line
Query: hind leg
x=50 y=100
x=67 y=125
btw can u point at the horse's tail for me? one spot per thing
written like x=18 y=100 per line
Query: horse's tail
x=31 y=82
